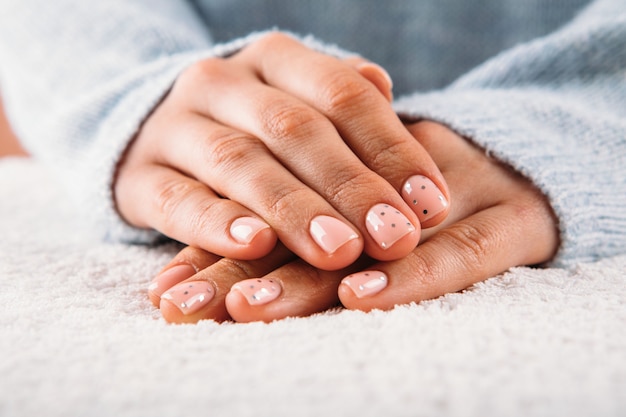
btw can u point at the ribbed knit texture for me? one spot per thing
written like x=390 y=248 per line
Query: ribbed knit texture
x=80 y=77
x=553 y=109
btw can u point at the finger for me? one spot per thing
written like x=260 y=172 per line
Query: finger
x=481 y=246
x=239 y=167
x=308 y=145
x=185 y=264
x=202 y=296
x=374 y=73
x=296 y=289
x=363 y=119
x=186 y=210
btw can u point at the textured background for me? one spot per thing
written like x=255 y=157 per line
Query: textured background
x=78 y=337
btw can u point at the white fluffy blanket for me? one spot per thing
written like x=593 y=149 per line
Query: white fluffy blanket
x=79 y=338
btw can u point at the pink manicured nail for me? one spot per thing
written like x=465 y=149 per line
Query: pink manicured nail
x=330 y=233
x=387 y=225
x=366 y=283
x=424 y=197
x=167 y=279
x=244 y=229
x=191 y=296
x=258 y=290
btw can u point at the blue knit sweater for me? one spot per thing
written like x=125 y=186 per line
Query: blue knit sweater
x=539 y=84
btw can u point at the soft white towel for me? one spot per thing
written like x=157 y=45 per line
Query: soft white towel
x=79 y=338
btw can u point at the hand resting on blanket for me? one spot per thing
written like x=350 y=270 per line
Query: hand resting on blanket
x=497 y=220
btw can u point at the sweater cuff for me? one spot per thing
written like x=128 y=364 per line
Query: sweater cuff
x=542 y=137
x=145 y=89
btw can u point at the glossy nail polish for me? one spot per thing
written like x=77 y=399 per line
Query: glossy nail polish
x=330 y=233
x=244 y=229
x=258 y=291
x=191 y=296
x=167 y=279
x=366 y=283
x=386 y=225
x=423 y=196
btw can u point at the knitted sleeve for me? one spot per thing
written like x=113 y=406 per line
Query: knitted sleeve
x=554 y=109
x=79 y=77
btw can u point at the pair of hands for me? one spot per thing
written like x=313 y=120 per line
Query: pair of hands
x=286 y=171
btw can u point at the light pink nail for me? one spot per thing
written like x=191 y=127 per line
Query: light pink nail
x=191 y=296
x=387 y=225
x=244 y=229
x=167 y=279
x=424 y=197
x=366 y=283
x=330 y=233
x=258 y=291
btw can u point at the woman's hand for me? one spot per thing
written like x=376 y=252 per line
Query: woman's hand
x=498 y=220
x=281 y=142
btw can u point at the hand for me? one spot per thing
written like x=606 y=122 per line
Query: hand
x=281 y=142
x=498 y=220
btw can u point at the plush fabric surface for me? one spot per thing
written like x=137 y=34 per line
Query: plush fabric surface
x=79 y=337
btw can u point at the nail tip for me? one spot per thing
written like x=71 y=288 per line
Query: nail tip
x=330 y=233
x=245 y=229
x=334 y=249
x=366 y=283
x=424 y=197
x=190 y=301
x=387 y=225
x=258 y=291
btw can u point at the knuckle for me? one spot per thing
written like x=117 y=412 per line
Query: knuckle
x=342 y=90
x=201 y=220
x=426 y=272
x=202 y=71
x=227 y=150
x=171 y=194
x=388 y=154
x=237 y=269
x=284 y=120
x=472 y=245
x=525 y=211
x=167 y=196
x=348 y=183
x=180 y=209
x=285 y=199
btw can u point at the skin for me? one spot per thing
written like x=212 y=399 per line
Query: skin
x=279 y=133
x=9 y=144
x=498 y=220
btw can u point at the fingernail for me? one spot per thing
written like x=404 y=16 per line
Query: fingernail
x=366 y=283
x=244 y=229
x=190 y=297
x=167 y=279
x=258 y=291
x=387 y=225
x=424 y=197
x=366 y=66
x=330 y=233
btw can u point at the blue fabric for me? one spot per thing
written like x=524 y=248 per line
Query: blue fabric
x=540 y=84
